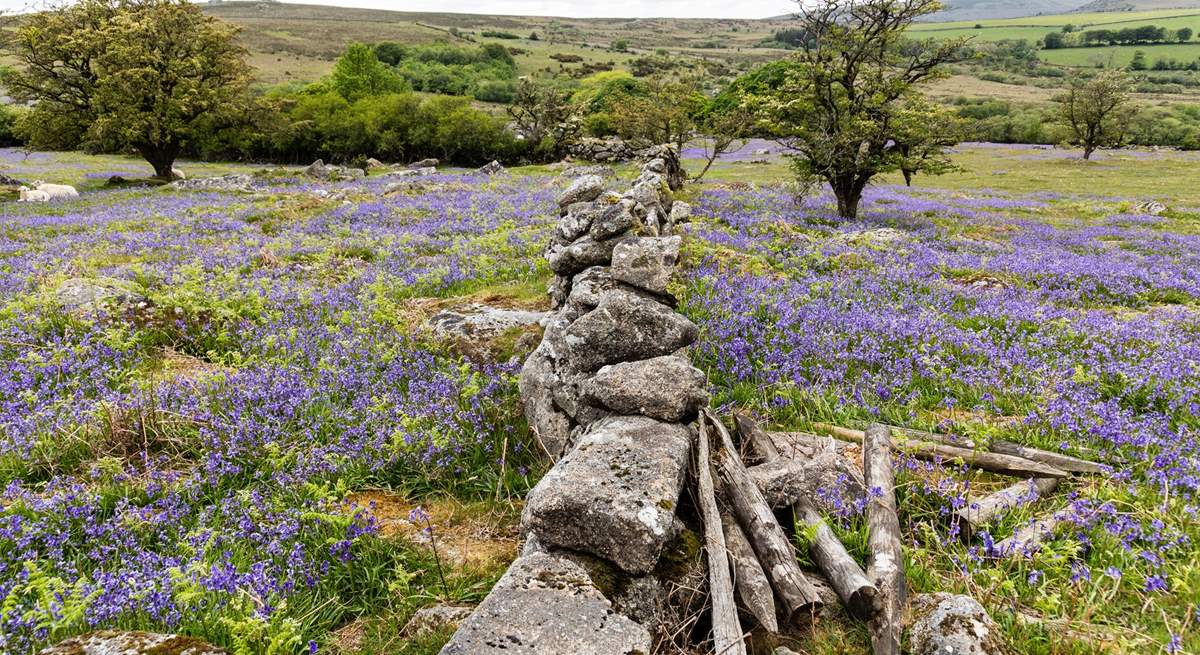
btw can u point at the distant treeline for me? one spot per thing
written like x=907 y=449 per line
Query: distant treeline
x=1142 y=35
x=1006 y=122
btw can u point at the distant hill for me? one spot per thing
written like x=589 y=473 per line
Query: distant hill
x=960 y=10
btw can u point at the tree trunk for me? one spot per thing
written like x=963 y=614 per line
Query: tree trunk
x=751 y=582
x=161 y=157
x=846 y=577
x=1087 y=152
x=978 y=512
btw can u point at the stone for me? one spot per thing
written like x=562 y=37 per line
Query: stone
x=83 y=296
x=667 y=388
x=397 y=187
x=477 y=322
x=584 y=189
x=412 y=172
x=493 y=168
x=949 y=624
x=614 y=494
x=827 y=478
x=591 y=285
x=1151 y=208
x=681 y=213
x=117 y=642
x=242 y=182
x=613 y=220
x=317 y=169
x=373 y=164
x=425 y=163
x=547 y=605
x=580 y=255
x=431 y=619
x=7 y=180
x=577 y=221
x=881 y=237
x=646 y=262
x=551 y=427
x=624 y=327
x=570 y=171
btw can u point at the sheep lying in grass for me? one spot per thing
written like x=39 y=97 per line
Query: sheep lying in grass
x=33 y=195
x=177 y=174
x=56 y=191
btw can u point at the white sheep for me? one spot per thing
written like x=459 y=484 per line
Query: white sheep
x=33 y=195
x=56 y=191
x=177 y=174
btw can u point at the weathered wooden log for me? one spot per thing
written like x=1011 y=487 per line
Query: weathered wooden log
x=797 y=445
x=751 y=583
x=1004 y=447
x=752 y=434
x=726 y=629
x=978 y=512
x=857 y=592
x=1028 y=539
x=770 y=542
x=987 y=461
x=1057 y=460
x=885 y=563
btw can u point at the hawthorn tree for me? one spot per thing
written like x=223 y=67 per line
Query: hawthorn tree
x=141 y=75
x=663 y=110
x=359 y=73
x=848 y=102
x=1097 y=111
x=545 y=117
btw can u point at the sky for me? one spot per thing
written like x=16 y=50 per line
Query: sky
x=573 y=8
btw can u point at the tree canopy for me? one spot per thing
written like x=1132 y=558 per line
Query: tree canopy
x=848 y=103
x=145 y=75
x=1097 y=111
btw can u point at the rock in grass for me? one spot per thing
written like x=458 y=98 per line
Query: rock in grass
x=115 y=642
x=584 y=189
x=949 y=624
x=625 y=327
x=438 y=617
x=84 y=297
x=614 y=495
x=476 y=322
x=667 y=388
x=646 y=262
x=493 y=168
x=547 y=605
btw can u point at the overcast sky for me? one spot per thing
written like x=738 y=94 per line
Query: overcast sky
x=578 y=8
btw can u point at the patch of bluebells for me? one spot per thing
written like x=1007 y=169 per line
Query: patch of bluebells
x=1085 y=333
x=313 y=385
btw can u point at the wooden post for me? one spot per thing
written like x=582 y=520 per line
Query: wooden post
x=978 y=512
x=770 y=542
x=750 y=581
x=726 y=629
x=750 y=433
x=846 y=577
x=1057 y=460
x=1028 y=538
x=987 y=461
x=885 y=564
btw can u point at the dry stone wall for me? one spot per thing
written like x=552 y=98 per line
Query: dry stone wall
x=610 y=397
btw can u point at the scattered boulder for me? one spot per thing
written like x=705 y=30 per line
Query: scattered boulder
x=6 y=180
x=493 y=168
x=328 y=172
x=614 y=495
x=882 y=237
x=374 y=164
x=625 y=327
x=317 y=169
x=412 y=172
x=438 y=617
x=949 y=624
x=115 y=642
x=477 y=322
x=584 y=189
x=239 y=182
x=83 y=296
x=667 y=388
x=1151 y=208
x=646 y=262
x=546 y=605
x=425 y=163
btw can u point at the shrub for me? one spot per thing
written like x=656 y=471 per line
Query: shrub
x=9 y=135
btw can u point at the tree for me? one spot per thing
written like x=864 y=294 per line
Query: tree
x=1139 y=61
x=146 y=75
x=662 y=112
x=359 y=73
x=1054 y=41
x=621 y=45
x=1097 y=111
x=1184 y=34
x=849 y=104
x=545 y=118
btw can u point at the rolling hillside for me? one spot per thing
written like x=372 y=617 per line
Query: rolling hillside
x=994 y=9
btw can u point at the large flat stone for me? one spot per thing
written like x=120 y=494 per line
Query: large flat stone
x=625 y=327
x=584 y=189
x=667 y=388
x=646 y=262
x=547 y=605
x=580 y=255
x=119 y=642
x=614 y=495
x=948 y=624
